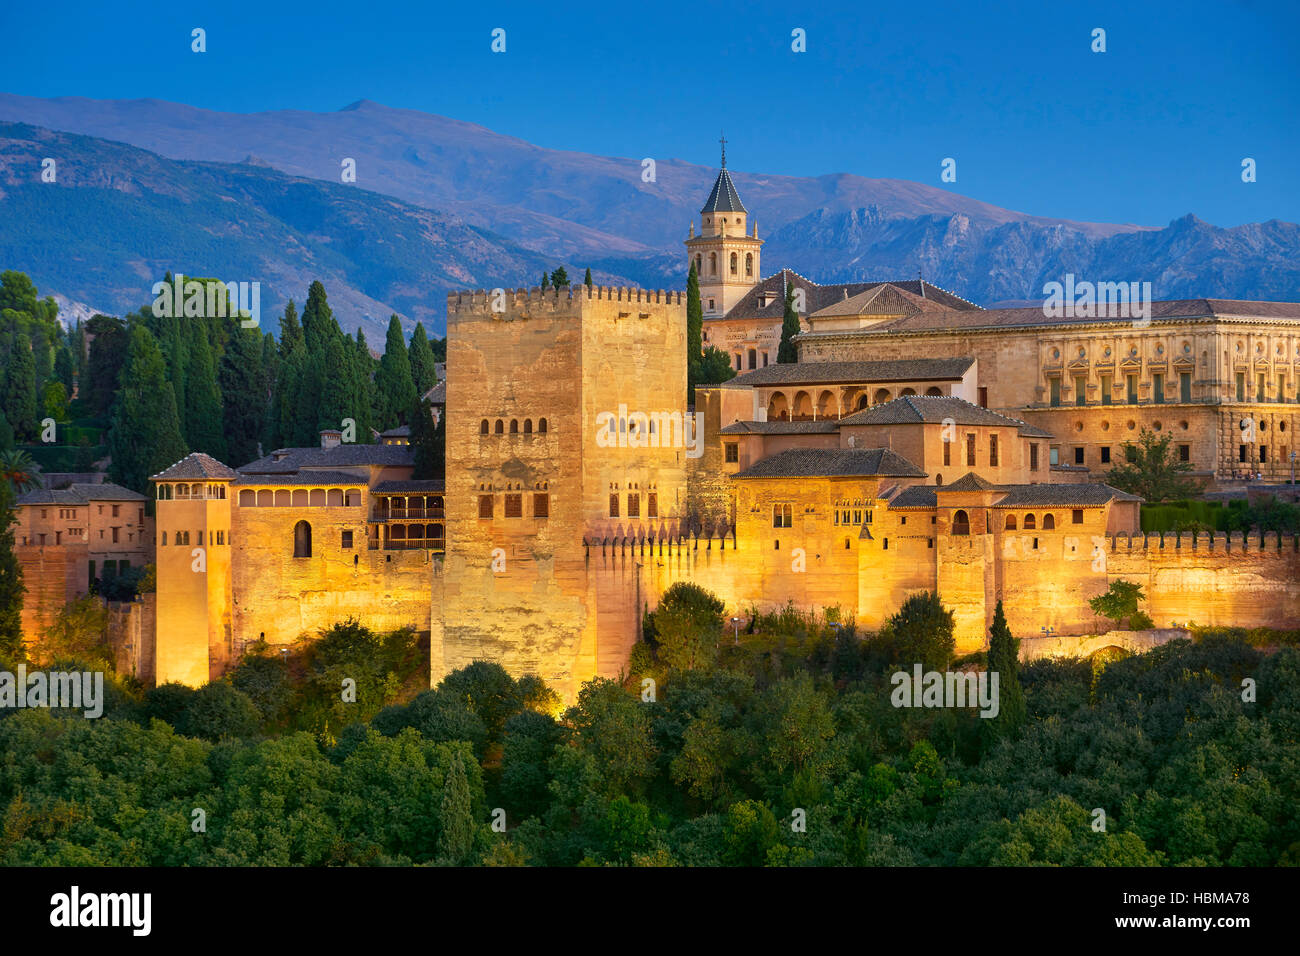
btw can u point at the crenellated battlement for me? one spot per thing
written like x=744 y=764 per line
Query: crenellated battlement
x=536 y=299
x=1268 y=542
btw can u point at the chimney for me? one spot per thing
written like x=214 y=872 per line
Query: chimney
x=330 y=437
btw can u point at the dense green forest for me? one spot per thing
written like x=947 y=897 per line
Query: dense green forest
x=142 y=391
x=775 y=746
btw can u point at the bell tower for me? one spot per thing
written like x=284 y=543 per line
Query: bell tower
x=726 y=252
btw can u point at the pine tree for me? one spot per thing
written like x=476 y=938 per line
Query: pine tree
x=145 y=435
x=456 y=814
x=394 y=386
x=787 y=352
x=586 y=280
x=422 y=361
x=243 y=396
x=18 y=388
x=1004 y=660
x=429 y=443
x=203 y=422
x=559 y=278
x=11 y=585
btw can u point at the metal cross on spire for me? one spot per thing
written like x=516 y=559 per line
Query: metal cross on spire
x=723 y=141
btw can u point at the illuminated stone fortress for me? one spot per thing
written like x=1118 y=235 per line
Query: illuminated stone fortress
x=920 y=442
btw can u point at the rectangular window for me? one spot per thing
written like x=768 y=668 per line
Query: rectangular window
x=613 y=506
x=1054 y=386
x=753 y=359
x=1259 y=388
x=1105 y=455
x=993 y=451
x=970 y=451
x=1184 y=386
x=947 y=453
x=163 y=544
x=1158 y=389
x=1241 y=386
x=1033 y=456
x=984 y=396
x=733 y=452
x=1078 y=456
x=1281 y=388
x=1184 y=452
x=200 y=537
x=1241 y=453
x=1080 y=390
x=652 y=505
x=633 y=506
x=541 y=506
x=1263 y=453
x=115 y=535
x=514 y=506
x=1076 y=516
x=346 y=539
x=115 y=507
x=485 y=506
x=1107 y=389
x=1131 y=388
x=1054 y=455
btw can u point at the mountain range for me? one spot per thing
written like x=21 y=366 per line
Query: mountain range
x=440 y=204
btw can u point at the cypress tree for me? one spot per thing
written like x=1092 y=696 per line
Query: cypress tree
x=270 y=368
x=422 y=361
x=145 y=435
x=290 y=330
x=288 y=395
x=787 y=353
x=11 y=584
x=108 y=348
x=42 y=357
x=203 y=419
x=394 y=386
x=18 y=389
x=546 y=281
x=429 y=442
x=1004 y=660
x=456 y=814
x=363 y=386
x=317 y=318
x=65 y=367
x=243 y=395
x=586 y=280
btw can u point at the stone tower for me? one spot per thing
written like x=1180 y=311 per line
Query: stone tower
x=725 y=253
x=565 y=412
x=193 y=560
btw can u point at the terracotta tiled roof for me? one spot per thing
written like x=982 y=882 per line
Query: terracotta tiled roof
x=826 y=426
x=818 y=297
x=347 y=455
x=832 y=463
x=429 y=486
x=1019 y=496
x=930 y=409
x=833 y=373
x=195 y=466
x=302 y=478
x=968 y=482
x=80 y=493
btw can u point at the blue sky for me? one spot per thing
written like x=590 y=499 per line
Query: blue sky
x=1154 y=128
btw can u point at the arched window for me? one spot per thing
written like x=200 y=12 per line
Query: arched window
x=934 y=390
x=483 y=427
x=862 y=403
x=514 y=426
x=1031 y=523
x=882 y=396
x=541 y=425
x=734 y=263
x=699 y=264
x=500 y=427
x=528 y=426
x=302 y=540
x=777 y=408
x=1011 y=522
x=749 y=263
x=1049 y=523
x=164 y=539
x=713 y=263
x=182 y=490
x=960 y=523
x=907 y=391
